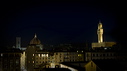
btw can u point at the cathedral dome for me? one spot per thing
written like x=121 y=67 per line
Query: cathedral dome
x=35 y=40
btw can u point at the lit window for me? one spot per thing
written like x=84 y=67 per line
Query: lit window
x=79 y=55
x=33 y=54
x=47 y=55
x=42 y=55
x=82 y=51
x=105 y=48
x=77 y=51
x=39 y=55
x=33 y=61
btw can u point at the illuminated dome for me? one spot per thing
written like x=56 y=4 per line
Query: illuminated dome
x=35 y=40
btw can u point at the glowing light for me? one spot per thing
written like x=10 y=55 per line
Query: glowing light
x=52 y=65
x=1 y=54
x=42 y=55
x=105 y=48
x=79 y=54
x=100 y=32
x=39 y=55
x=22 y=62
x=47 y=55
x=35 y=36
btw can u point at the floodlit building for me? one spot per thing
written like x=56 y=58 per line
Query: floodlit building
x=32 y=48
x=103 y=44
x=99 y=55
x=36 y=57
x=22 y=60
x=52 y=59
x=100 y=32
x=100 y=42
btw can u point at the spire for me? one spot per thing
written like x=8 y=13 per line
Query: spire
x=99 y=21
x=35 y=36
x=99 y=24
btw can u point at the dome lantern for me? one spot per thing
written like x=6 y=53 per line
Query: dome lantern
x=35 y=40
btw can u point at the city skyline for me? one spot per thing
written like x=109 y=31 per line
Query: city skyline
x=60 y=22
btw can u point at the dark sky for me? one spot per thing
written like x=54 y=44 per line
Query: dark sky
x=61 y=22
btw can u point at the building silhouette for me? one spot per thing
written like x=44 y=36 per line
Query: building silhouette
x=74 y=57
x=10 y=60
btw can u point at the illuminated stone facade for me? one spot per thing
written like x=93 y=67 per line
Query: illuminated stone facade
x=103 y=44
x=91 y=66
x=22 y=60
x=35 y=45
x=100 y=55
x=100 y=42
x=45 y=59
x=52 y=59
x=38 y=58
x=100 y=33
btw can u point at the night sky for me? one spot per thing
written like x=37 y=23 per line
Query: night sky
x=57 y=22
